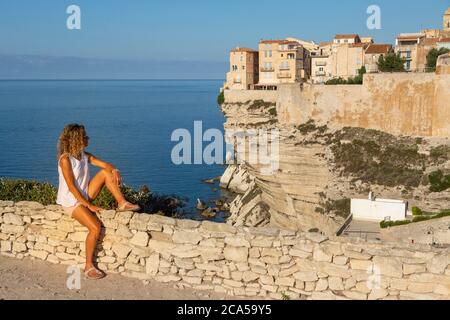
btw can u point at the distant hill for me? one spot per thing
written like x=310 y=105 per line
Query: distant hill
x=48 y=67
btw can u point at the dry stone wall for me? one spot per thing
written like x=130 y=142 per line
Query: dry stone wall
x=250 y=262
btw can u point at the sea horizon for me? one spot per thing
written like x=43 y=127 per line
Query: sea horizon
x=130 y=124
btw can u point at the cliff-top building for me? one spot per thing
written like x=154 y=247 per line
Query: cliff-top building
x=343 y=57
x=243 y=74
x=282 y=61
x=414 y=47
x=373 y=54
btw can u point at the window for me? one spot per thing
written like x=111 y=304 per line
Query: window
x=242 y=57
x=243 y=67
x=408 y=54
x=321 y=69
x=345 y=41
x=284 y=65
x=408 y=65
x=291 y=56
x=267 y=75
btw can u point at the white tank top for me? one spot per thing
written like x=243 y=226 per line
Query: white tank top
x=80 y=170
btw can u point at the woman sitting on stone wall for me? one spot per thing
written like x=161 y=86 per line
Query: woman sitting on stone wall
x=76 y=191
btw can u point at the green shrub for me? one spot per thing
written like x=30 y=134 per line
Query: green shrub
x=416 y=211
x=284 y=296
x=341 y=207
x=425 y=217
x=392 y=62
x=432 y=57
x=442 y=214
x=376 y=158
x=387 y=224
x=336 y=81
x=221 y=98
x=148 y=201
x=438 y=181
x=440 y=152
x=45 y=193
x=352 y=80
x=23 y=190
x=421 y=218
x=310 y=126
x=261 y=104
x=273 y=112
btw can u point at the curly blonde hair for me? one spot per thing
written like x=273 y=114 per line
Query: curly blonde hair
x=71 y=141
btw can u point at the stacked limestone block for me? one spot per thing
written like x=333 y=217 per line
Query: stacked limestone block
x=251 y=262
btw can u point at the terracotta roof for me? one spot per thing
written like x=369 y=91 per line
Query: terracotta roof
x=413 y=36
x=358 y=45
x=444 y=40
x=238 y=49
x=346 y=36
x=278 y=41
x=378 y=48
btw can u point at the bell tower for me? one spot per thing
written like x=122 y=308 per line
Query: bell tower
x=446 y=25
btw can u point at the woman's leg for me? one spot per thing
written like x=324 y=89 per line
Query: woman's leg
x=101 y=179
x=91 y=222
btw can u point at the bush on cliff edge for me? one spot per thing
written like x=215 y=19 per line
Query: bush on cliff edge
x=221 y=98
x=45 y=193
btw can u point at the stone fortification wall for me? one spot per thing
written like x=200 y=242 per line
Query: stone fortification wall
x=264 y=262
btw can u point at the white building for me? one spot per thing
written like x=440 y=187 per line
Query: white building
x=373 y=209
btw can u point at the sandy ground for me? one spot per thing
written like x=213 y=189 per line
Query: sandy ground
x=36 y=279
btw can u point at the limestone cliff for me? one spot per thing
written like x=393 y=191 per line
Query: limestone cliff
x=320 y=168
x=290 y=195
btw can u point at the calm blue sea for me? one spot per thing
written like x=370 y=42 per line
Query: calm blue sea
x=129 y=124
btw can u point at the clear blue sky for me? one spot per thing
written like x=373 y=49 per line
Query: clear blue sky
x=197 y=29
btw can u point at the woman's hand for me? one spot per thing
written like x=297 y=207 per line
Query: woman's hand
x=94 y=209
x=117 y=177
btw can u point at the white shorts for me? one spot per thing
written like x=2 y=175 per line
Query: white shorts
x=69 y=210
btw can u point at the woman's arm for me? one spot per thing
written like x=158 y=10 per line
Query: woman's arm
x=67 y=171
x=105 y=165
x=100 y=163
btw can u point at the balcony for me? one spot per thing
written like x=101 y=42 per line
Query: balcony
x=237 y=81
x=285 y=68
x=284 y=75
x=320 y=73
x=267 y=69
x=289 y=48
x=321 y=63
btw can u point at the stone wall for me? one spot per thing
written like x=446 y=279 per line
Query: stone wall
x=236 y=96
x=252 y=262
x=397 y=103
